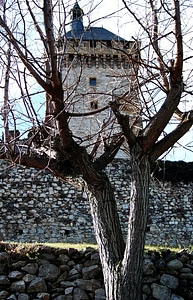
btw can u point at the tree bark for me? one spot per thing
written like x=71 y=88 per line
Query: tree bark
x=108 y=234
x=133 y=258
x=122 y=266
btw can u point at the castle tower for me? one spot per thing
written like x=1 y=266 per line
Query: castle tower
x=97 y=67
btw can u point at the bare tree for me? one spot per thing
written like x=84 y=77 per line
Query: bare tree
x=52 y=145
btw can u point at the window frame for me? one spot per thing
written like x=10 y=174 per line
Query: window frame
x=92 y=81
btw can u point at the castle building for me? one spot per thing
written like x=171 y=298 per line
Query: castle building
x=97 y=67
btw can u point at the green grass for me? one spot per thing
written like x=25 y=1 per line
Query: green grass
x=33 y=248
x=160 y=248
x=25 y=247
x=68 y=245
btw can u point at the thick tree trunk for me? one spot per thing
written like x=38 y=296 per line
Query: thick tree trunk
x=133 y=258
x=122 y=266
x=108 y=235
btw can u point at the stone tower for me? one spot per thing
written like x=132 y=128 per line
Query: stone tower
x=97 y=67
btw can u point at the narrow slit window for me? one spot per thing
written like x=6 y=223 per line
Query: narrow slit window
x=109 y=44
x=94 y=104
x=92 y=43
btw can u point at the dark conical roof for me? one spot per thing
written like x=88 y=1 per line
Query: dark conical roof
x=76 y=5
x=77 y=22
x=90 y=33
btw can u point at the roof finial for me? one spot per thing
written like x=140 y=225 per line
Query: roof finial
x=77 y=18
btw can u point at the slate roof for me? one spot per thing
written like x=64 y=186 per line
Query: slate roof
x=93 y=33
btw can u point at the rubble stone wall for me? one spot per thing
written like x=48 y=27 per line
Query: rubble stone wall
x=37 y=207
x=68 y=274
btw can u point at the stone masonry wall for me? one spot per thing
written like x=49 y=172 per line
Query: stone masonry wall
x=67 y=274
x=37 y=207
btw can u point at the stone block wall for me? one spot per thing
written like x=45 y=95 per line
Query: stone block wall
x=37 y=207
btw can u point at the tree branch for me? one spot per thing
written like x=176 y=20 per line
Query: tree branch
x=176 y=72
x=123 y=121
x=93 y=112
x=30 y=68
x=180 y=115
x=61 y=169
x=37 y=26
x=162 y=67
x=153 y=130
x=48 y=21
x=109 y=154
x=170 y=139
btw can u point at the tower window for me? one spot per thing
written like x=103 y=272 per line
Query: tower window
x=92 y=81
x=94 y=104
x=127 y=45
x=109 y=44
x=92 y=43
